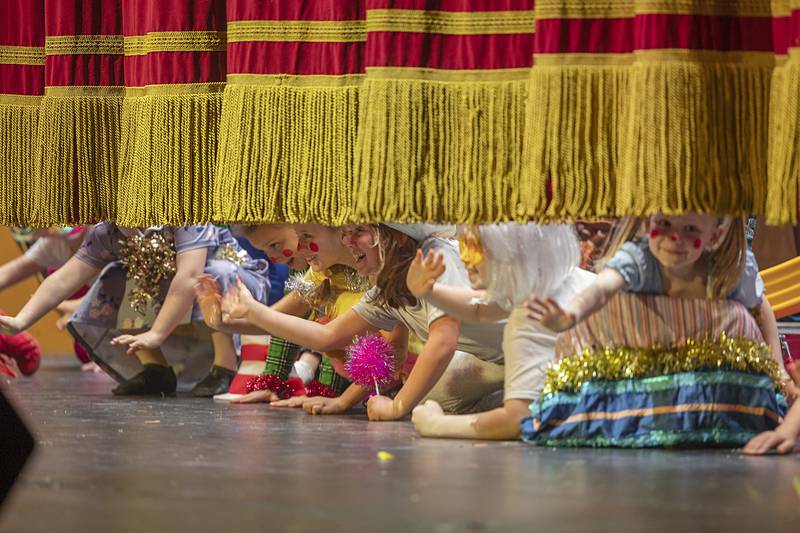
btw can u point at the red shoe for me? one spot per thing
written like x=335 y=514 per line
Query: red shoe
x=24 y=349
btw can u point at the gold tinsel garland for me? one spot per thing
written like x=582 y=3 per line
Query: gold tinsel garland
x=230 y=253
x=149 y=258
x=616 y=363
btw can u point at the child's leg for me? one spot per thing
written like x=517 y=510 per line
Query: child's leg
x=466 y=381
x=218 y=380
x=151 y=357
x=157 y=377
x=224 y=350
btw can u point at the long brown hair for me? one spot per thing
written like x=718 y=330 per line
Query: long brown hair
x=397 y=251
x=727 y=259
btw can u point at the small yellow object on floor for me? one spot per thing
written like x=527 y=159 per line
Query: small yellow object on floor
x=385 y=457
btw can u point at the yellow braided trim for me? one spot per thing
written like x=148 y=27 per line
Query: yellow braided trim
x=286 y=154
x=766 y=59
x=83 y=44
x=297 y=30
x=600 y=60
x=22 y=55
x=18 y=126
x=451 y=22
x=77 y=150
x=446 y=75
x=174 y=89
x=346 y=80
x=85 y=90
x=175 y=41
x=167 y=158
x=607 y=9
x=442 y=152
x=781 y=8
x=19 y=99
x=784 y=138
x=656 y=56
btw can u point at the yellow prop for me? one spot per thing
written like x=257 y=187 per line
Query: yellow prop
x=782 y=284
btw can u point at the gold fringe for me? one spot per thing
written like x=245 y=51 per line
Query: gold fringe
x=784 y=145
x=168 y=154
x=441 y=151
x=286 y=154
x=575 y=126
x=77 y=147
x=18 y=124
x=656 y=135
x=696 y=138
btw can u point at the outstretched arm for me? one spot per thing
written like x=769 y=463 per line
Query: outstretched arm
x=178 y=301
x=209 y=299
x=547 y=311
x=16 y=270
x=238 y=304
x=53 y=290
x=769 y=329
x=456 y=301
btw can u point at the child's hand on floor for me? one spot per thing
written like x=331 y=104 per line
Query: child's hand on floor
x=780 y=439
x=11 y=325
x=319 y=405
x=148 y=340
x=237 y=302
x=549 y=313
x=423 y=273
x=294 y=401
x=257 y=396
x=381 y=408
x=209 y=300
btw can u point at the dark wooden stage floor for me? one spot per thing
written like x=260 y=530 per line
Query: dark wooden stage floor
x=181 y=464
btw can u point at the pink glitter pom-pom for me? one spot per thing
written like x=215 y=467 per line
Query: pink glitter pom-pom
x=370 y=361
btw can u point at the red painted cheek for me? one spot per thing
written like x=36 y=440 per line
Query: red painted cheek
x=314 y=247
x=287 y=253
x=654 y=234
x=697 y=244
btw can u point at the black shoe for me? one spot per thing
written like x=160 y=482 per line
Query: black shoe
x=218 y=381
x=153 y=380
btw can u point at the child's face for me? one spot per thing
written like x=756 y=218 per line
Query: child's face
x=320 y=246
x=279 y=242
x=679 y=241
x=473 y=258
x=360 y=240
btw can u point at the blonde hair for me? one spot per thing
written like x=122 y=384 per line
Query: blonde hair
x=728 y=259
x=525 y=259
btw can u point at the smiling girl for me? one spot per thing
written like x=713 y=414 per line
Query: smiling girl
x=691 y=256
x=458 y=368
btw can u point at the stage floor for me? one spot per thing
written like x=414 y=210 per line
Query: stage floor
x=183 y=464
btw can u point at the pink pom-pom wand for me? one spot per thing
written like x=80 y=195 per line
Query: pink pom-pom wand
x=370 y=361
